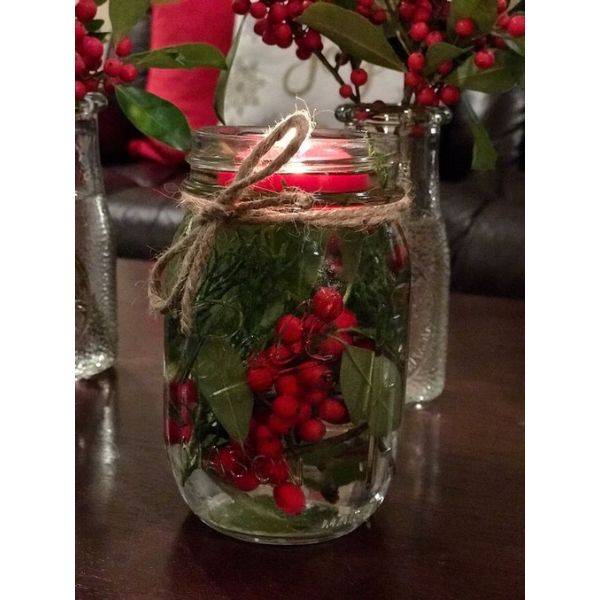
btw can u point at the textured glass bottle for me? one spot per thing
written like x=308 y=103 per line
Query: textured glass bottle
x=282 y=408
x=95 y=260
x=417 y=132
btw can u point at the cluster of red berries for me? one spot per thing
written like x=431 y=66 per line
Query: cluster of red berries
x=183 y=399
x=293 y=381
x=89 y=51
x=422 y=18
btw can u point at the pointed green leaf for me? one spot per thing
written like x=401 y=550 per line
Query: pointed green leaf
x=372 y=389
x=124 y=14
x=483 y=12
x=507 y=72
x=353 y=33
x=223 y=80
x=484 y=153
x=441 y=52
x=184 y=56
x=154 y=116
x=221 y=377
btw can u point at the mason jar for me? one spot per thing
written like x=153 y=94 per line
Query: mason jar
x=416 y=131
x=283 y=405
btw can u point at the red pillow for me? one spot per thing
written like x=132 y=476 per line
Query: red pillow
x=191 y=90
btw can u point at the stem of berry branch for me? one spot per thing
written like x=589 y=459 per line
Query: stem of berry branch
x=392 y=13
x=334 y=72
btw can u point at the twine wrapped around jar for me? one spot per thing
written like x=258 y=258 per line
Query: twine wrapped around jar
x=237 y=202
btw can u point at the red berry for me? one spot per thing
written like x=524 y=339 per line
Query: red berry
x=315 y=375
x=364 y=11
x=288 y=385
x=278 y=425
x=270 y=447
x=450 y=95
x=278 y=472
x=359 y=77
x=258 y=10
x=502 y=4
x=498 y=42
x=279 y=355
x=277 y=13
x=109 y=85
x=418 y=31
x=80 y=31
x=112 y=67
x=366 y=3
x=485 y=59
x=413 y=80
x=260 y=379
x=92 y=63
x=333 y=411
x=445 y=67
x=399 y=256
x=311 y=431
x=80 y=68
x=128 y=73
x=124 y=47
x=378 y=17
x=304 y=413
x=285 y=407
x=91 y=85
x=516 y=26
x=262 y=432
x=312 y=40
x=179 y=434
x=246 y=482
x=294 y=9
x=464 y=27
x=283 y=35
x=416 y=61
x=85 y=10
x=240 y=7
x=227 y=460
x=269 y=36
x=422 y=13
x=315 y=397
x=333 y=347
x=303 y=53
x=91 y=47
x=313 y=325
x=80 y=90
x=260 y=27
x=427 y=97
x=289 y=329
x=433 y=38
x=289 y=498
x=406 y=10
x=327 y=304
x=346 y=320
x=345 y=91
x=503 y=21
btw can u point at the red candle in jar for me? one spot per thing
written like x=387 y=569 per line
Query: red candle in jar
x=326 y=183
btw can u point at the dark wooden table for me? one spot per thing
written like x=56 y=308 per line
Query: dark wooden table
x=451 y=527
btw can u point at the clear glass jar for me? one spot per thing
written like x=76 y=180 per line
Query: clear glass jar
x=282 y=408
x=417 y=132
x=95 y=257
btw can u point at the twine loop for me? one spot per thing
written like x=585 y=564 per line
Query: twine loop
x=234 y=203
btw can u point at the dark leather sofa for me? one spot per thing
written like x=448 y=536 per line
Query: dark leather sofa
x=484 y=211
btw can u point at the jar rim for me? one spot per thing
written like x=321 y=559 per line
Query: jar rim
x=393 y=114
x=333 y=150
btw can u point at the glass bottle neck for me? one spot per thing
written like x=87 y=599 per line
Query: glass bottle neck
x=88 y=171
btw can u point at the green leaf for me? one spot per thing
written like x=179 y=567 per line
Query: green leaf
x=154 y=116
x=372 y=389
x=124 y=14
x=221 y=377
x=353 y=33
x=221 y=90
x=351 y=249
x=513 y=4
x=507 y=72
x=515 y=44
x=484 y=153
x=441 y=52
x=483 y=12
x=184 y=56
x=94 y=25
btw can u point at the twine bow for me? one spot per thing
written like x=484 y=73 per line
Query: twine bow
x=290 y=205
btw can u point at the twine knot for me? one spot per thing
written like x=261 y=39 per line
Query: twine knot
x=233 y=204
